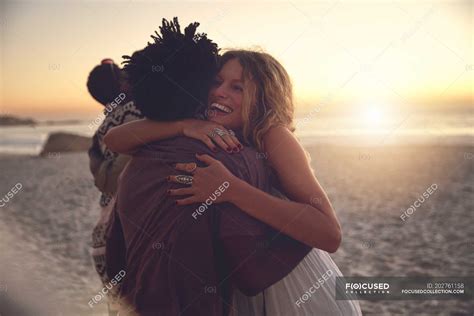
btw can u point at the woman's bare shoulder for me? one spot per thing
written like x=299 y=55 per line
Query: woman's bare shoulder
x=277 y=134
x=282 y=146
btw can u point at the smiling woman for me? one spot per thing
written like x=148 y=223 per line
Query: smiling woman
x=258 y=90
x=226 y=95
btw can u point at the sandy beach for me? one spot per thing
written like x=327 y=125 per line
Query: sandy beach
x=45 y=227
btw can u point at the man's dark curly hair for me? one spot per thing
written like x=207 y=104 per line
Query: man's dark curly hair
x=170 y=78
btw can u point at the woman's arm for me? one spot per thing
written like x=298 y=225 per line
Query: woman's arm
x=128 y=137
x=308 y=217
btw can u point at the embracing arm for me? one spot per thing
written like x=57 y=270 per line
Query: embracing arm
x=130 y=136
x=309 y=217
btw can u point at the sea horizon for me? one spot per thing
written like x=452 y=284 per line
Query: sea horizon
x=311 y=129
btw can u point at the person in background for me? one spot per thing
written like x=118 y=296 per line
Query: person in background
x=107 y=85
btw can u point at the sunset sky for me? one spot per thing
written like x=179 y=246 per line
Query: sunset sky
x=349 y=56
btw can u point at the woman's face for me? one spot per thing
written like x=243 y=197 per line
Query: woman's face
x=225 y=96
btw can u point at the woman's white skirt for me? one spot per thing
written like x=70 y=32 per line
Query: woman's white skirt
x=309 y=290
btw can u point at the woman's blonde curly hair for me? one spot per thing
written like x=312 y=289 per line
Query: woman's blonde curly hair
x=268 y=94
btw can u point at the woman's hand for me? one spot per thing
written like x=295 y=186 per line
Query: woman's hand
x=210 y=184
x=211 y=134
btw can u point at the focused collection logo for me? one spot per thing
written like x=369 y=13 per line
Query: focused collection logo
x=367 y=288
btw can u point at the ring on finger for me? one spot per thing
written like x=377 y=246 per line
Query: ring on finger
x=218 y=132
x=184 y=179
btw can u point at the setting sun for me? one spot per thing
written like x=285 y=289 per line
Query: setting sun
x=373 y=116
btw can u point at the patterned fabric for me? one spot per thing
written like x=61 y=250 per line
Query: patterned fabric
x=98 y=248
x=114 y=116
x=119 y=115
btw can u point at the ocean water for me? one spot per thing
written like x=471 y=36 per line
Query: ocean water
x=453 y=129
x=30 y=139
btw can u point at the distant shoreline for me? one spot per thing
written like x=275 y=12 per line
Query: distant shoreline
x=365 y=151
x=12 y=121
x=8 y=120
x=27 y=136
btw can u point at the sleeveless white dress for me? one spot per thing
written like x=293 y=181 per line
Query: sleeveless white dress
x=308 y=290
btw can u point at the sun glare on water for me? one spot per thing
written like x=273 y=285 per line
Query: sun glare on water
x=373 y=117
